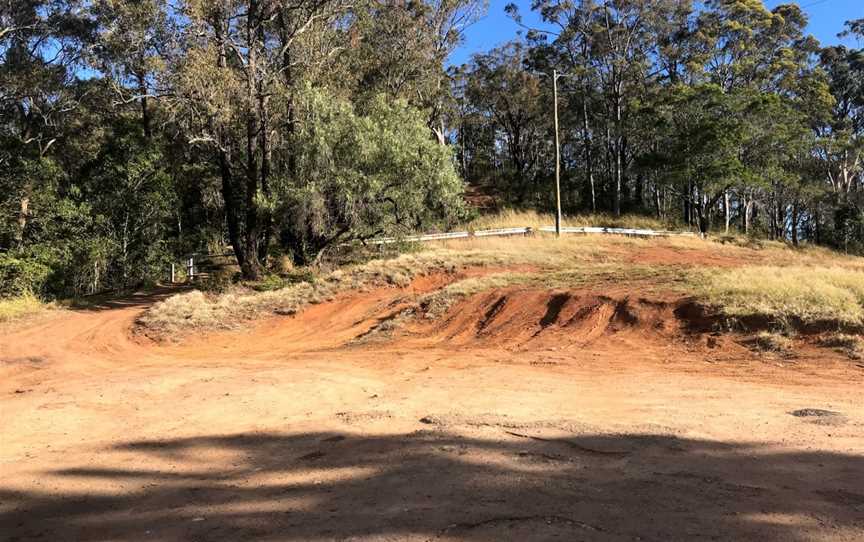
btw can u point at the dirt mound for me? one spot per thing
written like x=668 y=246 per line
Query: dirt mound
x=523 y=318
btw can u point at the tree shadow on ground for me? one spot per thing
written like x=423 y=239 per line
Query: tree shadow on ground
x=437 y=484
x=114 y=301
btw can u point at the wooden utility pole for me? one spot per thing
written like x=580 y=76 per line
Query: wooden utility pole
x=557 y=156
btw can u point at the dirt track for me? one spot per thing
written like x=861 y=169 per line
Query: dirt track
x=545 y=416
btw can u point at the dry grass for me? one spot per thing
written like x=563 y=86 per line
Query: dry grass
x=537 y=251
x=808 y=284
x=511 y=218
x=21 y=308
x=851 y=345
x=198 y=310
x=768 y=252
x=782 y=254
x=806 y=294
x=776 y=343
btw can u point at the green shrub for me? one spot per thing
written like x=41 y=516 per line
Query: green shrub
x=366 y=172
x=269 y=283
x=20 y=276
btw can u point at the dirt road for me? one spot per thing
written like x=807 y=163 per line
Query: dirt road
x=504 y=426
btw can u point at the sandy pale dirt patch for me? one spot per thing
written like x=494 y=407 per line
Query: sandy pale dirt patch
x=564 y=421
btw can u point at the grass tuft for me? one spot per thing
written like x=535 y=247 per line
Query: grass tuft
x=22 y=307
x=851 y=345
x=777 y=343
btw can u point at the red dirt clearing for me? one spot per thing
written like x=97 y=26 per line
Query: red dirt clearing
x=524 y=414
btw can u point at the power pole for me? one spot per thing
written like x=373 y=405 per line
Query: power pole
x=555 y=76
x=557 y=156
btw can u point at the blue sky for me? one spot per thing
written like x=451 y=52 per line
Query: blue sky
x=826 y=21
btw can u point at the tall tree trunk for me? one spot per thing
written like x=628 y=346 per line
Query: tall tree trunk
x=145 y=110
x=609 y=164
x=235 y=202
x=702 y=216
x=266 y=156
x=463 y=160
x=23 y=216
x=782 y=214
x=776 y=225
x=586 y=141
x=794 y=220
x=251 y=270
x=232 y=209
x=817 y=230
x=288 y=74
x=727 y=209
x=688 y=204
x=619 y=144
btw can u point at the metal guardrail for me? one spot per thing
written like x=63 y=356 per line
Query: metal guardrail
x=193 y=269
x=451 y=235
x=527 y=231
x=419 y=238
x=619 y=231
x=504 y=231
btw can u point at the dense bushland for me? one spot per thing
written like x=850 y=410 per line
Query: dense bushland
x=134 y=132
x=721 y=115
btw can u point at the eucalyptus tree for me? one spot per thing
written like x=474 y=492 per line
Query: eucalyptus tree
x=841 y=141
x=233 y=82
x=133 y=45
x=402 y=50
x=569 y=48
x=514 y=102
x=41 y=47
x=845 y=69
x=363 y=171
x=614 y=53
